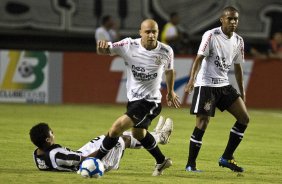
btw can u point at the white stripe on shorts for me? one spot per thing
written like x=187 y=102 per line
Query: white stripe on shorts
x=198 y=99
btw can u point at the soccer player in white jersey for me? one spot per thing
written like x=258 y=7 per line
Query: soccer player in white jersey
x=146 y=59
x=220 y=48
x=49 y=156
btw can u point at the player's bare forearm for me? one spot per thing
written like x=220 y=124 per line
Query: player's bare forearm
x=103 y=47
x=170 y=75
x=194 y=72
x=239 y=78
x=171 y=97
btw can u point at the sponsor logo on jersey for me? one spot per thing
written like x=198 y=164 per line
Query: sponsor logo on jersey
x=218 y=80
x=120 y=44
x=139 y=74
x=221 y=64
x=41 y=164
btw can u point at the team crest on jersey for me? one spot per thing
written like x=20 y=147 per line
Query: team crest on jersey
x=158 y=60
x=207 y=106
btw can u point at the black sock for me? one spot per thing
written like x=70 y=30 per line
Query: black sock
x=149 y=143
x=195 y=146
x=107 y=144
x=235 y=137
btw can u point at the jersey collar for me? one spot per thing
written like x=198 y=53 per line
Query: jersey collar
x=144 y=49
x=224 y=35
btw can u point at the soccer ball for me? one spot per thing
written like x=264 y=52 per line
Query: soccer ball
x=91 y=168
x=25 y=69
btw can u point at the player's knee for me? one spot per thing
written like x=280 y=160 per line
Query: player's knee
x=116 y=130
x=138 y=135
x=245 y=119
x=202 y=122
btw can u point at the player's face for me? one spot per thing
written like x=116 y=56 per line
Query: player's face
x=229 y=22
x=51 y=139
x=149 y=35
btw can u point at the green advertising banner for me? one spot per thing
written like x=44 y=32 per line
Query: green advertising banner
x=23 y=76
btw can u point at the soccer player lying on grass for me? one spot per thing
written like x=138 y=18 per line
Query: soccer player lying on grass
x=49 y=156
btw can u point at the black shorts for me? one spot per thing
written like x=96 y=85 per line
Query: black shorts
x=206 y=99
x=142 y=112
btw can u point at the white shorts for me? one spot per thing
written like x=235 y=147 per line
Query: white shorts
x=112 y=159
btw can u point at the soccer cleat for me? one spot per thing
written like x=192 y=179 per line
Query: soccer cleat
x=231 y=164
x=159 y=168
x=192 y=169
x=160 y=124
x=165 y=132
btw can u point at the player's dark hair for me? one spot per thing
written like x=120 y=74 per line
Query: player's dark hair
x=38 y=134
x=105 y=19
x=229 y=8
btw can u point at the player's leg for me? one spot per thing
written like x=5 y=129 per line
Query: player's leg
x=239 y=111
x=160 y=124
x=196 y=141
x=203 y=105
x=161 y=134
x=142 y=113
x=149 y=143
x=120 y=125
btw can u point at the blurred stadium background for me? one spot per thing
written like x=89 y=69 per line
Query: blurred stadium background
x=47 y=48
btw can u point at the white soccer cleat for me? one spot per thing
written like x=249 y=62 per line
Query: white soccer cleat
x=159 y=168
x=166 y=131
x=160 y=124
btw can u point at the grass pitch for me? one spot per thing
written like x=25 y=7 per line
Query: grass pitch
x=259 y=153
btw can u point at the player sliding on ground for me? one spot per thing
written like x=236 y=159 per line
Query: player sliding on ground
x=49 y=156
x=146 y=59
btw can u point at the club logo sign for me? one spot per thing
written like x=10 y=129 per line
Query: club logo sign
x=23 y=76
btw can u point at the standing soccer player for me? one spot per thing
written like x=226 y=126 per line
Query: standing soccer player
x=146 y=59
x=220 y=47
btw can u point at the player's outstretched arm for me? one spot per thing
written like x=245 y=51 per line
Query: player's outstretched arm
x=103 y=47
x=171 y=97
x=195 y=69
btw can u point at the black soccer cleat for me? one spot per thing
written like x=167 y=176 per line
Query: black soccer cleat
x=231 y=164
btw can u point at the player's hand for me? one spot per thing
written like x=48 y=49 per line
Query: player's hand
x=103 y=47
x=102 y=44
x=172 y=99
x=189 y=87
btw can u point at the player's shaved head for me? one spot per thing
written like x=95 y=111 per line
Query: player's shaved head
x=149 y=23
x=149 y=32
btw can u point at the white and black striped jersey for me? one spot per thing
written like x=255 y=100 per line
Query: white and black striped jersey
x=144 y=67
x=59 y=158
x=220 y=53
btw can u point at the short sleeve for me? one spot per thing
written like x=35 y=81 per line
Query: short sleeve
x=120 y=48
x=205 y=44
x=239 y=58
x=170 y=60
